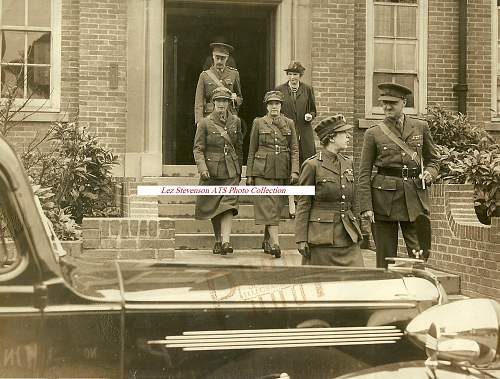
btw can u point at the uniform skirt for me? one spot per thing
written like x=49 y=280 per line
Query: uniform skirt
x=324 y=255
x=268 y=209
x=207 y=207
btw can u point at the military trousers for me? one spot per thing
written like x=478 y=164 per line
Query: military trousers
x=385 y=234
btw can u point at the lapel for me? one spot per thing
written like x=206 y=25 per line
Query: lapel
x=391 y=124
x=289 y=97
x=300 y=91
x=407 y=129
x=329 y=164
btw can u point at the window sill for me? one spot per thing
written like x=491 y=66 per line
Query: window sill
x=41 y=116
x=494 y=126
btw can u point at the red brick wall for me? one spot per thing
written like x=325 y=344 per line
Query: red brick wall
x=103 y=37
x=70 y=37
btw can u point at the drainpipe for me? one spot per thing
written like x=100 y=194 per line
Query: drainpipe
x=461 y=87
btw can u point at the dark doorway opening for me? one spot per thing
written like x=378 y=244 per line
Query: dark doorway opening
x=189 y=30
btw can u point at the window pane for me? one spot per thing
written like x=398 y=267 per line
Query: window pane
x=383 y=56
x=39 y=12
x=406 y=58
x=38 y=82
x=384 y=21
x=407 y=22
x=409 y=81
x=12 y=81
x=13 y=47
x=39 y=48
x=377 y=79
x=13 y=12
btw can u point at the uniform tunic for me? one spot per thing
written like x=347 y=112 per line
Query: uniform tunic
x=272 y=157
x=213 y=153
x=326 y=220
x=295 y=109
x=203 y=104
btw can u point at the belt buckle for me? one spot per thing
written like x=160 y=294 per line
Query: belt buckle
x=226 y=149
x=342 y=206
x=405 y=172
x=278 y=149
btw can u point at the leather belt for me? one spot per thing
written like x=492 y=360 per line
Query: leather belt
x=276 y=149
x=341 y=206
x=399 y=172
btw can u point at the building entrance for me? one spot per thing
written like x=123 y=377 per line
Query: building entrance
x=189 y=29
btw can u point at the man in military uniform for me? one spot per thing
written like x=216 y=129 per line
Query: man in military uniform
x=402 y=149
x=219 y=75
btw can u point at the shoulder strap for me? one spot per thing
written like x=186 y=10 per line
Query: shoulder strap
x=223 y=134
x=214 y=78
x=398 y=141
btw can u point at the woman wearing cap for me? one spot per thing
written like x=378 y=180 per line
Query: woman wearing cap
x=218 y=154
x=327 y=232
x=273 y=159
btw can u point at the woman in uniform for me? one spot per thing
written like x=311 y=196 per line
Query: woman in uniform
x=273 y=159
x=218 y=154
x=327 y=232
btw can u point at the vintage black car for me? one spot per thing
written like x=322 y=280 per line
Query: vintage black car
x=63 y=317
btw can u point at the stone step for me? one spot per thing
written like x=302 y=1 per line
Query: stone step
x=205 y=241
x=240 y=226
x=187 y=211
x=463 y=212
x=185 y=170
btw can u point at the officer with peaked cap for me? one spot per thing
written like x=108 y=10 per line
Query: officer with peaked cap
x=273 y=159
x=326 y=230
x=402 y=149
x=218 y=153
x=219 y=75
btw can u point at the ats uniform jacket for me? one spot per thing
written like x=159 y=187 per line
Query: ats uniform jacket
x=296 y=109
x=394 y=198
x=229 y=78
x=327 y=218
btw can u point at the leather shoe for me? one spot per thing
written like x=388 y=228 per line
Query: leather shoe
x=266 y=246
x=217 y=247
x=276 y=251
x=227 y=248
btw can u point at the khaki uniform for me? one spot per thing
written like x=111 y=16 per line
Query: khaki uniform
x=326 y=220
x=393 y=198
x=273 y=155
x=203 y=104
x=223 y=160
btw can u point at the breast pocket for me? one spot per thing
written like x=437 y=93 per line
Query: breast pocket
x=214 y=138
x=416 y=144
x=387 y=150
x=383 y=190
x=266 y=137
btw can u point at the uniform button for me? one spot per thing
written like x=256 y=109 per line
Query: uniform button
x=343 y=185
x=379 y=187
x=405 y=178
x=343 y=196
x=418 y=144
x=403 y=154
x=319 y=219
x=341 y=176
x=354 y=218
x=342 y=215
x=405 y=166
x=385 y=147
x=324 y=180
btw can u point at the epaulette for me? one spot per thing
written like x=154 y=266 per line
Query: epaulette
x=309 y=159
x=232 y=68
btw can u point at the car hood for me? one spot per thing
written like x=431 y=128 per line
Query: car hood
x=152 y=282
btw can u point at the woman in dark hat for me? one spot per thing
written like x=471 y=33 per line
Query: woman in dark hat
x=327 y=232
x=273 y=159
x=218 y=154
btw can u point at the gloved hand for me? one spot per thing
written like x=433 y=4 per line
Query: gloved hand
x=303 y=248
x=294 y=179
x=427 y=177
x=368 y=215
x=205 y=175
x=250 y=181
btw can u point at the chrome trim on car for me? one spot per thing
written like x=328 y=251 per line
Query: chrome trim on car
x=273 y=338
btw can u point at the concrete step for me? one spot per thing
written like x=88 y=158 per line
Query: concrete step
x=245 y=226
x=205 y=241
x=185 y=170
x=187 y=211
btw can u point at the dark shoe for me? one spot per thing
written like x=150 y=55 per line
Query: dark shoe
x=276 y=251
x=227 y=248
x=217 y=247
x=266 y=246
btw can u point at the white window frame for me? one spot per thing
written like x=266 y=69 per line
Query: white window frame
x=420 y=98
x=52 y=104
x=495 y=66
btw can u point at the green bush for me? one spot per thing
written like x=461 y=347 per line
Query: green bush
x=467 y=155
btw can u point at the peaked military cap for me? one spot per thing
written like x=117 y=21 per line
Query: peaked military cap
x=393 y=92
x=221 y=48
x=273 y=95
x=332 y=124
x=221 y=93
x=295 y=66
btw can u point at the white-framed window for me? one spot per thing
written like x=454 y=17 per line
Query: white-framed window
x=30 y=47
x=396 y=51
x=495 y=56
